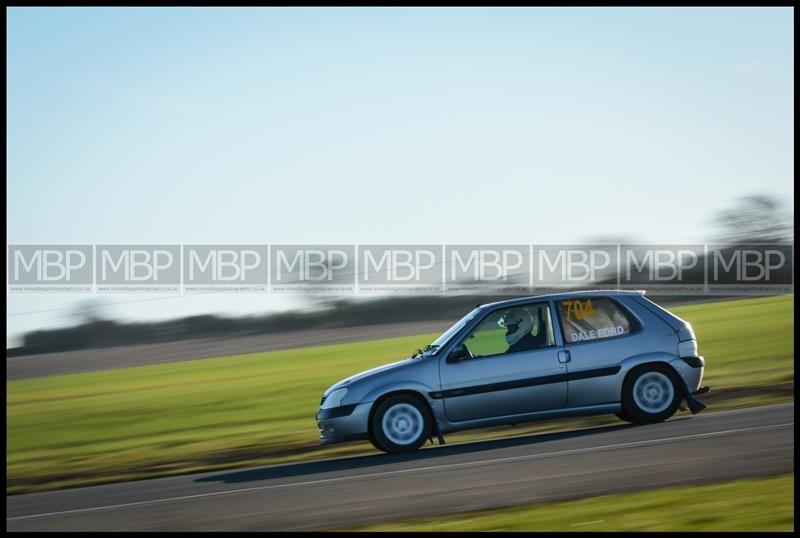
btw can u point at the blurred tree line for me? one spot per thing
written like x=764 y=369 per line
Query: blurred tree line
x=95 y=332
x=755 y=218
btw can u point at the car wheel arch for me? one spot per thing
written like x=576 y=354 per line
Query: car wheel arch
x=402 y=392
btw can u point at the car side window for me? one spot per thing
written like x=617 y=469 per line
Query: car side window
x=512 y=330
x=593 y=318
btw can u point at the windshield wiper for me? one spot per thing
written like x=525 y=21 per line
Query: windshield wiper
x=420 y=352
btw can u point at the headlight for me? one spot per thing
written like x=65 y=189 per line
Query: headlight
x=334 y=399
x=687 y=348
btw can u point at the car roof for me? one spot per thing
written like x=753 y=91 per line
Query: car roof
x=561 y=295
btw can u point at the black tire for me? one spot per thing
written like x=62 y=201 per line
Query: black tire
x=661 y=380
x=407 y=429
x=623 y=415
x=374 y=441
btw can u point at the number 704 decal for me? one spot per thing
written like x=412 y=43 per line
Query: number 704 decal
x=578 y=309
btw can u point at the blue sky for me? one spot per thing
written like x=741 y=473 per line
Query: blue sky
x=386 y=126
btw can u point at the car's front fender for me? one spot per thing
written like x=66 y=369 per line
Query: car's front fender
x=399 y=386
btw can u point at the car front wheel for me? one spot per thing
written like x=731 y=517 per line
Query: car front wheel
x=400 y=424
x=623 y=415
x=651 y=394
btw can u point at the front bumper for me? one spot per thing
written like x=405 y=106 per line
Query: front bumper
x=344 y=423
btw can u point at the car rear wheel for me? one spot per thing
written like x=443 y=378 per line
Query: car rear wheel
x=651 y=394
x=400 y=424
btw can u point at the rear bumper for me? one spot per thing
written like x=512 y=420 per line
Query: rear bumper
x=346 y=423
x=691 y=369
x=702 y=390
x=695 y=362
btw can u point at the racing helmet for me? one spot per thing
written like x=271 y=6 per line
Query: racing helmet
x=517 y=323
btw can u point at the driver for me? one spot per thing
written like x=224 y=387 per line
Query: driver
x=518 y=324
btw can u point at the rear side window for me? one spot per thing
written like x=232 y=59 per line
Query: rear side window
x=595 y=318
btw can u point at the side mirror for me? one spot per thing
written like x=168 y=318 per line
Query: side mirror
x=458 y=354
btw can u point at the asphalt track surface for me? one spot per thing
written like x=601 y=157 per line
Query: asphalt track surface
x=354 y=491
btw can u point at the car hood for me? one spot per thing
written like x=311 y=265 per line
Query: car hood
x=372 y=371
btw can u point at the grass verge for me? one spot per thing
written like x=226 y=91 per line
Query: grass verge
x=761 y=504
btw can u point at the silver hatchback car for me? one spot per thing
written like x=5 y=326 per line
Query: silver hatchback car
x=567 y=354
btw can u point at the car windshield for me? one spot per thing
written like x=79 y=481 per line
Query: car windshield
x=439 y=342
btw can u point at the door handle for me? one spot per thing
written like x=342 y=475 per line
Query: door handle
x=563 y=356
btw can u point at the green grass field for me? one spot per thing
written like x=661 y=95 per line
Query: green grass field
x=259 y=408
x=763 y=504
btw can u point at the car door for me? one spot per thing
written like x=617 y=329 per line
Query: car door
x=598 y=334
x=493 y=382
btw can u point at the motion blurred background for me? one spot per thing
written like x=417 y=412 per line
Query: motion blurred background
x=460 y=126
